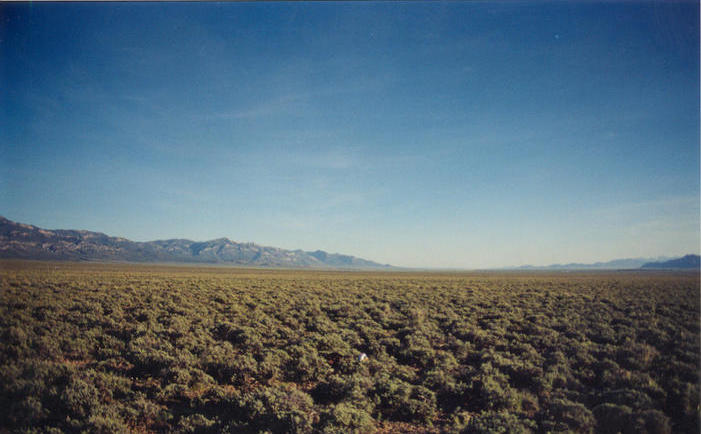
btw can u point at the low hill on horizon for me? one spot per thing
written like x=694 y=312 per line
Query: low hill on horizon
x=615 y=264
x=23 y=241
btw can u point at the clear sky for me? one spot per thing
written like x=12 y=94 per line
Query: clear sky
x=456 y=134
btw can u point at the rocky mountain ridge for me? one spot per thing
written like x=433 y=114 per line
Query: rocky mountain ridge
x=23 y=241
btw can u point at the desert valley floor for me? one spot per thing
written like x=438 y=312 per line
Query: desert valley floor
x=155 y=348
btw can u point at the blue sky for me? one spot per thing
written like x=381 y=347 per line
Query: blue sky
x=450 y=134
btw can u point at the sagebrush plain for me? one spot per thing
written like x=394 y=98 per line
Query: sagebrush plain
x=147 y=348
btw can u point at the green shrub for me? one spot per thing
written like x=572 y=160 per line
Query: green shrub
x=272 y=364
x=343 y=418
x=80 y=398
x=305 y=364
x=391 y=397
x=491 y=422
x=570 y=416
x=634 y=399
x=26 y=412
x=106 y=424
x=611 y=418
x=279 y=409
x=417 y=350
x=648 y=422
x=195 y=423
x=492 y=389
x=421 y=406
x=334 y=389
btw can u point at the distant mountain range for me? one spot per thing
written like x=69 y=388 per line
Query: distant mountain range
x=688 y=261
x=23 y=241
x=624 y=264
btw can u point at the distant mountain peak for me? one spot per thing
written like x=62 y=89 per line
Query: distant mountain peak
x=19 y=240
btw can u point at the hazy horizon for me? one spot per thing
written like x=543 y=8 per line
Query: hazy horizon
x=511 y=266
x=442 y=135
